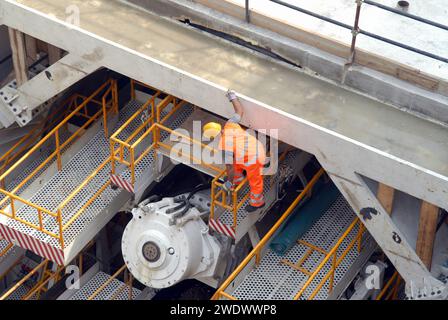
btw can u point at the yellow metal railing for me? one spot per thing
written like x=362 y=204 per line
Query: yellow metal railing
x=109 y=103
x=25 y=143
x=128 y=144
x=150 y=130
x=220 y=198
x=390 y=290
x=332 y=257
x=257 y=251
x=6 y=249
x=128 y=284
x=335 y=260
x=45 y=275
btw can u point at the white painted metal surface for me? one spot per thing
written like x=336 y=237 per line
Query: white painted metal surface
x=162 y=248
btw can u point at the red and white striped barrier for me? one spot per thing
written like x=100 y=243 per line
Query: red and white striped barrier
x=222 y=228
x=28 y=242
x=121 y=183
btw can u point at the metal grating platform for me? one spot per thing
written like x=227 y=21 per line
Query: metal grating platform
x=37 y=160
x=115 y=289
x=3 y=245
x=64 y=182
x=227 y=217
x=173 y=122
x=21 y=292
x=274 y=280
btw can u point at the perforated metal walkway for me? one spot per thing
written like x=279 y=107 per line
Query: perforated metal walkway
x=274 y=280
x=64 y=182
x=116 y=289
x=37 y=160
x=82 y=165
x=3 y=245
x=173 y=122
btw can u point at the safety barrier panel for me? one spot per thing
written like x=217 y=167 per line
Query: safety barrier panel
x=89 y=108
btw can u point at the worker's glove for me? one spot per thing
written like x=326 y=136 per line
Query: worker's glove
x=227 y=186
x=231 y=95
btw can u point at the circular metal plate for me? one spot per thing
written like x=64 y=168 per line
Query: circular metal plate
x=151 y=251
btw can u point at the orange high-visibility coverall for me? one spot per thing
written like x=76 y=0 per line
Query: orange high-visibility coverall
x=248 y=154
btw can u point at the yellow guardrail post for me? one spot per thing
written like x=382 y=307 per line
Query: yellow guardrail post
x=23 y=280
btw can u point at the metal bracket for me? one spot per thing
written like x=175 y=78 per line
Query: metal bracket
x=25 y=102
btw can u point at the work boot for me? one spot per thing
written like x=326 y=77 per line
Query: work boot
x=251 y=209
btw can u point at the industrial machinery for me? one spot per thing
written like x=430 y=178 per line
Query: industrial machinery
x=168 y=241
x=357 y=178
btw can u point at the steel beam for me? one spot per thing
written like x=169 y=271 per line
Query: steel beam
x=420 y=283
x=349 y=129
x=31 y=94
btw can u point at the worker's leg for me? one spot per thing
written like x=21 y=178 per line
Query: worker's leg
x=238 y=175
x=256 y=199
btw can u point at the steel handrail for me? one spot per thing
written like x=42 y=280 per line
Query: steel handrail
x=395 y=278
x=107 y=282
x=43 y=264
x=256 y=252
x=31 y=136
x=57 y=153
x=51 y=133
x=44 y=281
x=331 y=254
x=360 y=31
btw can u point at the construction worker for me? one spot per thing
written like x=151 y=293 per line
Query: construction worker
x=242 y=152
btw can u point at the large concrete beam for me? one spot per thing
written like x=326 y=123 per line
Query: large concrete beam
x=346 y=130
x=59 y=76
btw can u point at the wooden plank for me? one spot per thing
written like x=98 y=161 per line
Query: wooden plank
x=31 y=49
x=385 y=196
x=332 y=46
x=17 y=42
x=42 y=46
x=429 y=215
x=54 y=54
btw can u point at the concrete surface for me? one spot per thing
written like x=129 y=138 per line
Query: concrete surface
x=378 y=21
x=324 y=104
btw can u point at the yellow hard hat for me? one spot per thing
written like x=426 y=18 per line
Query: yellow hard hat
x=211 y=130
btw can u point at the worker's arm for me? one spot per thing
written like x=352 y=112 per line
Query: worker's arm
x=237 y=106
